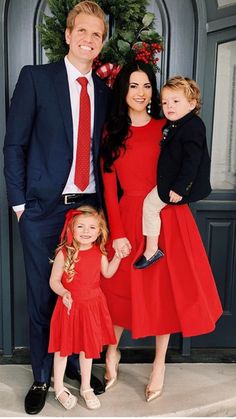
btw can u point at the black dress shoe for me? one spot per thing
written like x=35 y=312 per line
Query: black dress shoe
x=96 y=384
x=35 y=398
x=142 y=262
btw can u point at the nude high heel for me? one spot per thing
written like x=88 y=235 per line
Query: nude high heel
x=111 y=381
x=153 y=394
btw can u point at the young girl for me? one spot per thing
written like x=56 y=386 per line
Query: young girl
x=80 y=322
x=184 y=162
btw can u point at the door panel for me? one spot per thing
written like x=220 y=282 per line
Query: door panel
x=20 y=47
x=217 y=225
x=216 y=217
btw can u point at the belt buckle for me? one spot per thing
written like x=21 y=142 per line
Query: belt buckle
x=66 y=199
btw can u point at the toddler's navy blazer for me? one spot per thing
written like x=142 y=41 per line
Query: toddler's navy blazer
x=184 y=162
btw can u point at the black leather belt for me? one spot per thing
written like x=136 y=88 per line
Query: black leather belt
x=73 y=198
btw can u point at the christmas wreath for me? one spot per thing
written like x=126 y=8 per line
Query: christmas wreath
x=133 y=37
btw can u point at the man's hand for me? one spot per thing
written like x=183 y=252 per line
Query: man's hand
x=19 y=214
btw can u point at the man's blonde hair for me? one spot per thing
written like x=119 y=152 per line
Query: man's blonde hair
x=89 y=8
x=190 y=88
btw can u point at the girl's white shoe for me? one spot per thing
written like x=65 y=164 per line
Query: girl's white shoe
x=94 y=402
x=69 y=402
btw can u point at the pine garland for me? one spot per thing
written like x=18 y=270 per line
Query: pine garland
x=134 y=33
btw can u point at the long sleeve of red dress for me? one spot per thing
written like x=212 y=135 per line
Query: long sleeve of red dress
x=112 y=204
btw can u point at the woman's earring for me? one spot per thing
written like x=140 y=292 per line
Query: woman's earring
x=149 y=107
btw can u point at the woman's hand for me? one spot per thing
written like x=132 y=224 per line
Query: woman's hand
x=174 y=197
x=122 y=247
x=67 y=301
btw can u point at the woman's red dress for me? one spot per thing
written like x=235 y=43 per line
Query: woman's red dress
x=177 y=293
x=88 y=325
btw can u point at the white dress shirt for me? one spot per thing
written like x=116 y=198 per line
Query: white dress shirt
x=75 y=88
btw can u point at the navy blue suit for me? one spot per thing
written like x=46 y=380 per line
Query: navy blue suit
x=38 y=155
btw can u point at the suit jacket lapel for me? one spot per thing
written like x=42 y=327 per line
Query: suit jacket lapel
x=173 y=126
x=62 y=89
x=98 y=111
x=167 y=134
x=63 y=93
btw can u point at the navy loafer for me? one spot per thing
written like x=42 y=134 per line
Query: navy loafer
x=142 y=262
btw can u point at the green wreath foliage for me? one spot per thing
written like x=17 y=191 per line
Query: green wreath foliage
x=133 y=31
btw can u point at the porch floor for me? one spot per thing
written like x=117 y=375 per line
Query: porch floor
x=192 y=390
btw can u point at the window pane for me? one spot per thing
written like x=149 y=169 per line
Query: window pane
x=223 y=166
x=225 y=3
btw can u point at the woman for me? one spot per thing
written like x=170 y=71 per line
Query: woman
x=177 y=294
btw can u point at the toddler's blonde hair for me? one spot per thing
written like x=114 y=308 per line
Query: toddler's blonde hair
x=190 y=88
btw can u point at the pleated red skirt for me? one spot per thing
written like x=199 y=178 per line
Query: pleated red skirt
x=177 y=293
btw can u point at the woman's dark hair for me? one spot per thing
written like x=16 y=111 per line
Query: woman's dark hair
x=117 y=128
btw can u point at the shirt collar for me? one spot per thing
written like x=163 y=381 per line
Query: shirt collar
x=74 y=73
x=169 y=128
x=181 y=121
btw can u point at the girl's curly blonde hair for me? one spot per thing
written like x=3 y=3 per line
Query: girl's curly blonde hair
x=71 y=246
x=190 y=88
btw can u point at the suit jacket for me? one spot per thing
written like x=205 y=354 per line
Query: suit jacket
x=184 y=162
x=38 y=146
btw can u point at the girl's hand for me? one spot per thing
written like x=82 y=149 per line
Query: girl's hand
x=67 y=301
x=174 y=197
x=122 y=247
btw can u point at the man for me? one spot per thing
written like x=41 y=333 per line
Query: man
x=55 y=109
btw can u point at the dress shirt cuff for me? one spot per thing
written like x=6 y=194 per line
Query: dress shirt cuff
x=17 y=208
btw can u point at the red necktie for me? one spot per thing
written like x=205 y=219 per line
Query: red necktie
x=82 y=165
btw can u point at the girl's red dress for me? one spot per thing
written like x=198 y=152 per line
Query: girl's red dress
x=177 y=293
x=88 y=325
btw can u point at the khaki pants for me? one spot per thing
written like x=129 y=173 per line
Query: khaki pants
x=152 y=207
